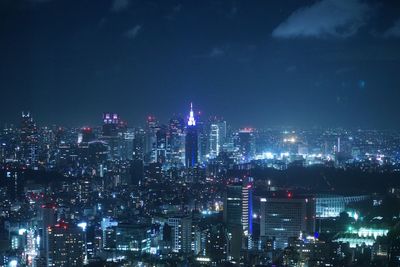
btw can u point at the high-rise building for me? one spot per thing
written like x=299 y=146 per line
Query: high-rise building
x=247 y=208
x=113 y=134
x=203 y=132
x=238 y=209
x=86 y=135
x=152 y=127
x=176 y=141
x=127 y=144
x=217 y=137
x=246 y=144
x=182 y=233
x=139 y=144
x=285 y=217
x=191 y=141
x=65 y=245
x=214 y=140
x=29 y=139
x=47 y=216
x=161 y=145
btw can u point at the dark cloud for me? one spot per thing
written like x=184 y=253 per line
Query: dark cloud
x=215 y=52
x=133 y=32
x=326 y=18
x=393 y=31
x=119 y=5
x=174 y=12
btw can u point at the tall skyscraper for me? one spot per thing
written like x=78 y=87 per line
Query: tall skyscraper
x=152 y=127
x=246 y=144
x=176 y=141
x=113 y=134
x=247 y=207
x=28 y=138
x=214 y=140
x=139 y=144
x=233 y=219
x=216 y=137
x=47 y=215
x=161 y=144
x=191 y=141
x=238 y=216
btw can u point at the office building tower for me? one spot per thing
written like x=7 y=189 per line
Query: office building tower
x=214 y=141
x=113 y=134
x=176 y=141
x=191 y=141
x=247 y=208
x=161 y=145
x=203 y=132
x=285 y=217
x=139 y=144
x=28 y=139
x=222 y=132
x=232 y=215
x=86 y=135
x=182 y=235
x=127 y=144
x=246 y=144
x=109 y=234
x=47 y=216
x=233 y=205
x=217 y=137
x=152 y=127
x=65 y=245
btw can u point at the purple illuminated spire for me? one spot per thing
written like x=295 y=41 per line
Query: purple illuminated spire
x=191 y=121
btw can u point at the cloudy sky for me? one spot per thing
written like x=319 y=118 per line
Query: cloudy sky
x=258 y=63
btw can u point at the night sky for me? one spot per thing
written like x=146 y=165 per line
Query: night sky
x=257 y=63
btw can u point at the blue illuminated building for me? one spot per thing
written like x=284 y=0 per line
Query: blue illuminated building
x=191 y=141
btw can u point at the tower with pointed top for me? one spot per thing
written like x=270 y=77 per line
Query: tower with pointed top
x=191 y=141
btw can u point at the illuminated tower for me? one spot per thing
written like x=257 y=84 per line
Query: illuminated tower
x=28 y=138
x=113 y=134
x=176 y=141
x=246 y=144
x=214 y=140
x=191 y=141
x=151 y=139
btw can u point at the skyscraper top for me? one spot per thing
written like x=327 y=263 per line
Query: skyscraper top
x=191 y=121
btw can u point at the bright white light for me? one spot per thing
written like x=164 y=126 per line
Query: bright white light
x=13 y=263
x=82 y=225
x=21 y=231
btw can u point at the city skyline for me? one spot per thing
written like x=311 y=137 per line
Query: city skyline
x=206 y=133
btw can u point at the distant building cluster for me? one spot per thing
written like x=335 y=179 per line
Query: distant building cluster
x=194 y=192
